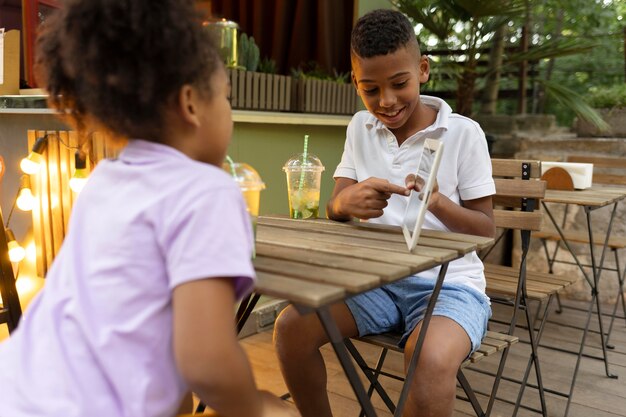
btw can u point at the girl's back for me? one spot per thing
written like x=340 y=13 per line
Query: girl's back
x=147 y=222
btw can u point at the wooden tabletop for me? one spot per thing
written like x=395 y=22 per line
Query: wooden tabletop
x=318 y=262
x=594 y=196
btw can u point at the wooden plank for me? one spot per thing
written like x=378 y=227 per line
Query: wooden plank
x=416 y=263
x=54 y=184
x=46 y=215
x=549 y=233
x=310 y=294
x=518 y=220
x=513 y=168
x=373 y=234
x=387 y=272
x=65 y=155
x=598 y=162
x=353 y=282
x=599 y=178
x=563 y=280
x=274 y=234
x=494 y=287
x=520 y=188
x=595 y=197
x=480 y=241
x=35 y=184
x=98 y=146
x=74 y=144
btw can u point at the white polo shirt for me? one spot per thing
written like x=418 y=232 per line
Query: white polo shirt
x=371 y=150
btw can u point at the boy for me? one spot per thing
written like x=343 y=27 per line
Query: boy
x=382 y=151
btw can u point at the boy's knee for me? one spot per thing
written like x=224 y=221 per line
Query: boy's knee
x=292 y=329
x=437 y=363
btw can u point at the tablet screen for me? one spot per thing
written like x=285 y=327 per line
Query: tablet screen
x=418 y=201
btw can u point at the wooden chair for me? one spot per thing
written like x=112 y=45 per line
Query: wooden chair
x=609 y=172
x=517 y=197
x=10 y=309
x=507 y=284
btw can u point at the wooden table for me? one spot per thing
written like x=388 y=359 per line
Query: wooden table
x=316 y=263
x=590 y=199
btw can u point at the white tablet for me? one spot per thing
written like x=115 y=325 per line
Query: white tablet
x=418 y=201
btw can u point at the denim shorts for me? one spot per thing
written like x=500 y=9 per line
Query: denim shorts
x=400 y=306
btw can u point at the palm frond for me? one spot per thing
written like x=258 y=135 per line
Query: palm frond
x=552 y=49
x=574 y=102
x=431 y=15
x=487 y=8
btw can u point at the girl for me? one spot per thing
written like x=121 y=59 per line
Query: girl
x=138 y=305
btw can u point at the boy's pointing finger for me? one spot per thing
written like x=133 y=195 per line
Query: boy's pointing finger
x=395 y=189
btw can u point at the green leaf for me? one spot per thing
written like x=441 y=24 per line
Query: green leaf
x=574 y=102
x=552 y=49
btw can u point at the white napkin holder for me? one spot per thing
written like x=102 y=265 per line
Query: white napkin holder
x=581 y=174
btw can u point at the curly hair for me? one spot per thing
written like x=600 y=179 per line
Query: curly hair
x=121 y=62
x=381 y=32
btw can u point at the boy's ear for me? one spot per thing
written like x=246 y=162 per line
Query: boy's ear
x=187 y=105
x=354 y=82
x=424 y=69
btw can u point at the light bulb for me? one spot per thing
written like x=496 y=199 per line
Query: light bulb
x=79 y=179
x=25 y=200
x=32 y=163
x=16 y=252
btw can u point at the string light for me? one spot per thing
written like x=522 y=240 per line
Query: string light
x=79 y=179
x=16 y=252
x=25 y=199
x=32 y=163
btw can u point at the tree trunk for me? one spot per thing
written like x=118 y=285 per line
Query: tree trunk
x=492 y=85
x=541 y=99
x=465 y=91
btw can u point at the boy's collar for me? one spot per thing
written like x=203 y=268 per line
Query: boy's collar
x=441 y=122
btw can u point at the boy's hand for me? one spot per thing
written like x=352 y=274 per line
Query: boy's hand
x=367 y=199
x=417 y=183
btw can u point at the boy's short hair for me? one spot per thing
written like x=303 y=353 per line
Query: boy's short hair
x=381 y=32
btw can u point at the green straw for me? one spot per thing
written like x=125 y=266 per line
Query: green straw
x=231 y=163
x=304 y=156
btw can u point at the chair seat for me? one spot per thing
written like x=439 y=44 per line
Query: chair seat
x=549 y=233
x=493 y=342
x=502 y=281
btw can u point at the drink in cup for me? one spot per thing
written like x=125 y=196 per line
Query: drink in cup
x=250 y=184
x=304 y=178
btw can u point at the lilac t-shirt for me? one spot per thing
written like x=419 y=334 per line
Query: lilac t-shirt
x=97 y=340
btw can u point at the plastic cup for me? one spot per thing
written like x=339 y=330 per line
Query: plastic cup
x=304 y=180
x=250 y=184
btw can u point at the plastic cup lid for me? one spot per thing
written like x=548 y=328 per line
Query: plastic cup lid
x=298 y=163
x=246 y=177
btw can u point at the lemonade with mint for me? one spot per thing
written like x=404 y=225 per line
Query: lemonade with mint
x=304 y=204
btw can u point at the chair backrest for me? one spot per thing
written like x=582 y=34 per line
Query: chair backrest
x=605 y=170
x=516 y=197
x=10 y=310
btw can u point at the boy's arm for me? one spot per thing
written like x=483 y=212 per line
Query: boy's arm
x=473 y=217
x=208 y=355
x=363 y=200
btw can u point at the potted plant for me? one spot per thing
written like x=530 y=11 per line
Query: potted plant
x=316 y=92
x=254 y=84
x=610 y=102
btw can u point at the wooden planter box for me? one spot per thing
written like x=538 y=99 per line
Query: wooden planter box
x=320 y=96
x=259 y=91
x=615 y=118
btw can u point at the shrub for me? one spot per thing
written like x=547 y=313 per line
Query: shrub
x=607 y=97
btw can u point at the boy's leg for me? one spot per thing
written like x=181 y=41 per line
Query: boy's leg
x=433 y=388
x=297 y=339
